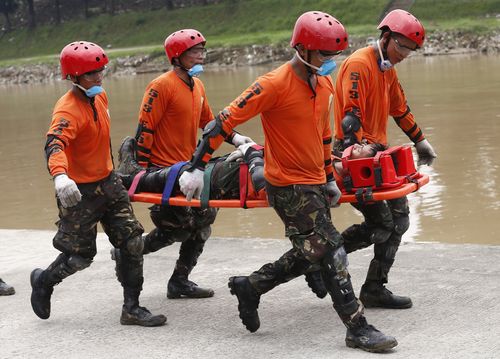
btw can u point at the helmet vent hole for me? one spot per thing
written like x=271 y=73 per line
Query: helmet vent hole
x=76 y=48
x=318 y=19
x=97 y=59
x=192 y=37
x=92 y=44
x=81 y=43
x=86 y=48
x=337 y=41
x=73 y=44
x=198 y=35
x=104 y=56
x=418 y=33
x=330 y=23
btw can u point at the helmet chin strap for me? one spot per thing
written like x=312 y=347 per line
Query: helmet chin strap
x=309 y=68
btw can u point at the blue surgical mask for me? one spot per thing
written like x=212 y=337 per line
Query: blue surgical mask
x=91 y=92
x=326 y=68
x=383 y=64
x=195 y=71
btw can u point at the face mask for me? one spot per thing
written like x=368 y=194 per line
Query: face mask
x=91 y=92
x=195 y=71
x=326 y=68
x=383 y=64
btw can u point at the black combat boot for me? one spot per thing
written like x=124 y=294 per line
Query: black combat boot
x=366 y=337
x=133 y=314
x=6 y=289
x=179 y=286
x=40 y=294
x=315 y=282
x=376 y=295
x=128 y=165
x=248 y=301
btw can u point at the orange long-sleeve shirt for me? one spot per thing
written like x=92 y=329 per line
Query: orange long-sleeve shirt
x=170 y=115
x=78 y=138
x=372 y=95
x=296 y=126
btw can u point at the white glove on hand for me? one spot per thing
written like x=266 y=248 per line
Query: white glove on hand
x=191 y=184
x=333 y=193
x=425 y=153
x=239 y=140
x=239 y=152
x=67 y=191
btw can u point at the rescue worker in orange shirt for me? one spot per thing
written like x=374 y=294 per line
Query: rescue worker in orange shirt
x=78 y=152
x=294 y=102
x=174 y=107
x=367 y=91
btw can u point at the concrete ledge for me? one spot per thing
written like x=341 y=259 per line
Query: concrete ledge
x=455 y=291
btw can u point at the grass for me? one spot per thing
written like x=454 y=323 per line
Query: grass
x=234 y=22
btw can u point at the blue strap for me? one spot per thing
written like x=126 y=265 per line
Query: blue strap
x=170 y=182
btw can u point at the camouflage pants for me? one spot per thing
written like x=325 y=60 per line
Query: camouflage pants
x=305 y=212
x=384 y=225
x=107 y=202
x=188 y=225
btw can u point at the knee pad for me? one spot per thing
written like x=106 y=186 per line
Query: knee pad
x=401 y=224
x=204 y=233
x=379 y=235
x=77 y=262
x=135 y=245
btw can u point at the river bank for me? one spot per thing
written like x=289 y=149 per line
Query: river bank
x=437 y=43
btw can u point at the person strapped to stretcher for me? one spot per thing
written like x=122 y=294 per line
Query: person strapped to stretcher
x=363 y=168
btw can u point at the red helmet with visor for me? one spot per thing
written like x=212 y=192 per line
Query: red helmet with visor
x=406 y=24
x=81 y=57
x=317 y=30
x=182 y=40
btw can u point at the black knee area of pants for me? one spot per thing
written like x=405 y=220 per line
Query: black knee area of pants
x=338 y=283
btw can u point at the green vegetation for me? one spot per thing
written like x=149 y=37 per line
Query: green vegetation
x=234 y=22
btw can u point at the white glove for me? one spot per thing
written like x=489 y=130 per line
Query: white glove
x=191 y=183
x=67 y=191
x=425 y=153
x=239 y=140
x=239 y=152
x=333 y=193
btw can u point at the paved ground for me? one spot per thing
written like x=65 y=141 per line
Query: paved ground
x=455 y=290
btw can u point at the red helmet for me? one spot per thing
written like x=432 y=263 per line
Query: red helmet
x=317 y=30
x=406 y=24
x=179 y=41
x=81 y=57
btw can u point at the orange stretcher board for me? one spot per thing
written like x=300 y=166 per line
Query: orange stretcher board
x=380 y=195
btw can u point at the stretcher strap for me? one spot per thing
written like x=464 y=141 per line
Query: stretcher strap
x=135 y=183
x=170 y=182
x=205 y=193
x=243 y=184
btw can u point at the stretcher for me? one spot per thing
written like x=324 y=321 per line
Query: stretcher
x=365 y=196
x=388 y=175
